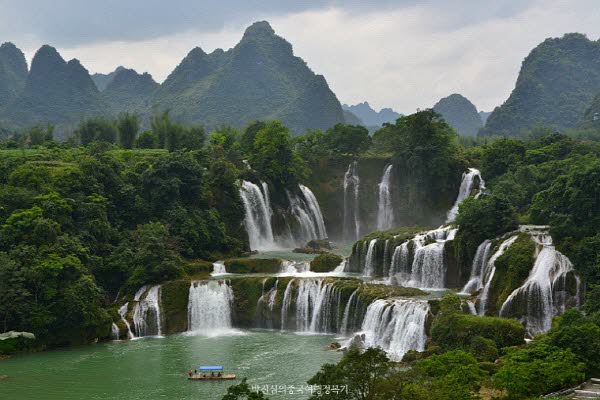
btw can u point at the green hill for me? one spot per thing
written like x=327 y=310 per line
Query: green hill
x=102 y=80
x=260 y=78
x=13 y=72
x=130 y=91
x=460 y=114
x=556 y=84
x=55 y=90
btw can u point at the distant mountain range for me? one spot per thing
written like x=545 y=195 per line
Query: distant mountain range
x=369 y=117
x=459 y=113
x=259 y=78
x=556 y=85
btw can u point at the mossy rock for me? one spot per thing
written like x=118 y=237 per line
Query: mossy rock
x=198 y=267
x=253 y=265
x=174 y=301
x=326 y=262
x=512 y=269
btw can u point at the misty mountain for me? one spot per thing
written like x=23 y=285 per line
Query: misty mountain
x=55 y=90
x=259 y=78
x=102 y=80
x=459 y=113
x=369 y=116
x=556 y=84
x=129 y=91
x=13 y=72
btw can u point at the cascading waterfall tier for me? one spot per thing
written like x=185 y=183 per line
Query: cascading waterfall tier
x=370 y=259
x=478 y=268
x=210 y=307
x=146 y=312
x=258 y=216
x=306 y=211
x=114 y=332
x=428 y=267
x=549 y=290
x=317 y=306
x=123 y=314
x=396 y=326
x=488 y=273
x=351 y=202
x=219 y=269
x=385 y=208
x=470 y=180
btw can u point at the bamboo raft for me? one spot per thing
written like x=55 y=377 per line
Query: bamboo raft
x=210 y=373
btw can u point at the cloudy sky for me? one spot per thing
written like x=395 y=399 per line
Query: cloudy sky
x=404 y=54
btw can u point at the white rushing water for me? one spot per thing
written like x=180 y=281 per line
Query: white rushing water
x=219 y=269
x=286 y=302
x=314 y=305
x=146 y=312
x=385 y=208
x=210 y=307
x=469 y=180
x=428 y=268
x=351 y=228
x=294 y=268
x=478 y=267
x=123 y=313
x=489 y=272
x=370 y=259
x=257 y=216
x=346 y=317
x=543 y=295
x=396 y=326
x=114 y=332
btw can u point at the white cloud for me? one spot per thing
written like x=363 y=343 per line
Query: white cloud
x=406 y=57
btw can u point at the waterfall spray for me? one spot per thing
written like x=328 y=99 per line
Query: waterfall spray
x=351 y=204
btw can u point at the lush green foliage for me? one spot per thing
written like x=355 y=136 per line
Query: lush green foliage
x=556 y=84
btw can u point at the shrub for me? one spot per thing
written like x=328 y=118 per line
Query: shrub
x=325 y=262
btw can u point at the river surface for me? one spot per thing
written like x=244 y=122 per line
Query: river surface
x=154 y=368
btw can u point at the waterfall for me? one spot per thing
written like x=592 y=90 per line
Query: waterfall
x=428 y=268
x=385 y=209
x=340 y=269
x=544 y=293
x=351 y=203
x=146 y=312
x=370 y=259
x=472 y=308
x=399 y=267
x=478 y=266
x=316 y=310
x=285 y=305
x=287 y=268
x=396 y=326
x=210 y=307
x=315 y=211
x=467 y=185
x=219 y=269
x=489 y=272
x=307 y=212
x=114 y=332
x=123 y=313
x=346 y=317
x=258 y=216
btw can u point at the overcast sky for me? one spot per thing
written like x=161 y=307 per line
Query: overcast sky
x=402 y=54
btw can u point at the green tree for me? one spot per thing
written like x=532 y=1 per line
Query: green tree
x=348 y=139
x=500 y=156
x=96 y=129
x=359 y=372
x=129 y=126
x=537 y=369
x=274 y=157
x=147 y=140
x=248 y=136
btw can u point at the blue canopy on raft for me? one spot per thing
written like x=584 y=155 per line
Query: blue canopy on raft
x=210 y=368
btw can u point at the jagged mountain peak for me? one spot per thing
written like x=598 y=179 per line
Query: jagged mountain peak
x=259 y=28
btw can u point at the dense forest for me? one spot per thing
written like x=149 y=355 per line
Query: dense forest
x=112 y=208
